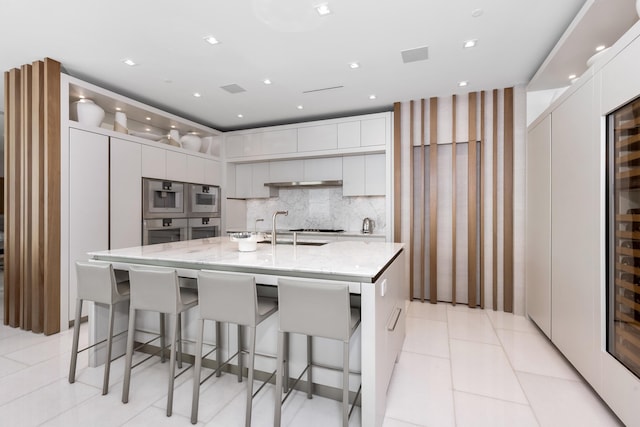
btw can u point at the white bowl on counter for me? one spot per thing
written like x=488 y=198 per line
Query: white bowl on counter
x=247 y=240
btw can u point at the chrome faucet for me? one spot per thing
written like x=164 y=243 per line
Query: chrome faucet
x=255 y=227
x=273 y=227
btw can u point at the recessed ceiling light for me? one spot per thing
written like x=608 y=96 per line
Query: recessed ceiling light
x=118 y=109
x=173 y=126
x=240 y=116
x=477 y=13
x=572 y=76
x=354 y=65
x=129 y=62
x=600 y=48
x=372 y=96
x=81 y=96
x=300 y=107
x=463 y=83
x=197 y=95
x=266 y=81
x=211 y=40
x=323 y=9
x=470 y=43
x=147 y=129
x=148 y=118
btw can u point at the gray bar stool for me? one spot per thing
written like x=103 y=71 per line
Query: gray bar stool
x=97 y=283
x=157 y=290
x=320 y=310
x=230 y=298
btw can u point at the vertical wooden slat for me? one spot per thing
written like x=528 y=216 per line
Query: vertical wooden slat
x=25 y=196
x=12 y=229
x=495 y=199
x=411 y=196
x=508 y=200
x=422 y=199
x=433 y=200
x=482 y=184
x=453 y=200
x=397 y=175
x=37 y=200
x=7 y=115
x=52 y=197
x=472 y=225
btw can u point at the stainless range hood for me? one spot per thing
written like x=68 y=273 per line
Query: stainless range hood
x=291 y=184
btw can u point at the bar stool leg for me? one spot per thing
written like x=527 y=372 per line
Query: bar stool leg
x=345 y=384
x=279 y=379
x=218 y=350
x=252 y=352
x=309 y=368
x=127 y=366
x=107 y=363
x=240 y=367
x=285 y=369
x=172 y=363
x=179 y=334
x=196 y=373
x=76 y=339
x=163 y=341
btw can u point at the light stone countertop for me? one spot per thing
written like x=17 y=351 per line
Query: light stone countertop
x=359 y=261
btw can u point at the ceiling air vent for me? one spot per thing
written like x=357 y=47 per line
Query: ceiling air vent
x=416 y=54
x=233 y=88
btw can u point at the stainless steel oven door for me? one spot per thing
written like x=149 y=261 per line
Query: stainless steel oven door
x=164 y=230
x=204 y=200
x=203 y=228
x=163 y=199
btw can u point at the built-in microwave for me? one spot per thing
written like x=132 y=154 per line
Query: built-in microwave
x=203 y=228
x=204 y=200
x=163 y=199
x=164 y=230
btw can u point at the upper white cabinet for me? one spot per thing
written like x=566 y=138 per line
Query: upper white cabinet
x=154 y=162
x=250 y=179
x=212 y=172
x=126 y=194
x=324 y=169
x=349 y=134
x=279 y=141
x=364 y=175
x=373 y=132
x=286 y=170
x=177 y=166
x=318 y=138
x=195 y=169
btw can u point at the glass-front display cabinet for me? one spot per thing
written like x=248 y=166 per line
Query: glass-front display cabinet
x=623 y=235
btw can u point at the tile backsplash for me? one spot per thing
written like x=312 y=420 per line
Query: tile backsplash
x=317 y=208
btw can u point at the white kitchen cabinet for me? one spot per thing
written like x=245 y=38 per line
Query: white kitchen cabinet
x=243 y=174
x=349 y=134
x=154 y=162
x=126 y=194
x=538 y=225
x=286 y=170
x=373 y=132
x=318 y=138
x=279 y=142
x=229 y=189
x=364 y=175
x=252 y=144
x=195 y=169
x=177 y=166
x=260 y=175
x=234 y=145
x=620 y=83
x=329 y=168
x=212 y=172
x=88 y=201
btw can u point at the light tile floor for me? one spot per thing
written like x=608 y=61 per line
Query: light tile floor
x=459 y=367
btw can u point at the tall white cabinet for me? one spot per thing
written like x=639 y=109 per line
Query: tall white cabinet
x=125 y=193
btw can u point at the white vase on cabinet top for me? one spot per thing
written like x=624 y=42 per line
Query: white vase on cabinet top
x=86 y=112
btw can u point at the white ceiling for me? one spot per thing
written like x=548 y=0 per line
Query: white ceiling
x=289 y=43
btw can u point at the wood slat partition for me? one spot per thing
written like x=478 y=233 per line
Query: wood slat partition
x=453 y=200
x=508 y=200
x=472 y=238
x=397 y=174
x=483 y=167
x=422 y=199
x=411 y=216
x=433 y=200
x=494 y=228
x=32 y=197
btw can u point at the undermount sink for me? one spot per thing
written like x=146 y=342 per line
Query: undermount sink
x=289 y=242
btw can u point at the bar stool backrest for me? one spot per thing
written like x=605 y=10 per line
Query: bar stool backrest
x=227 y=297
x=96 y=282
x=154 y=289
x=316 y=309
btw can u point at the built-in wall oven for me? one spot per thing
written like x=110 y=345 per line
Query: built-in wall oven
x=164 y=230
x=163 y=199
x=202 y=228
x=204 y=200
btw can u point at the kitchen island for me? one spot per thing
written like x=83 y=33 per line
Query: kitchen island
x=375 y=274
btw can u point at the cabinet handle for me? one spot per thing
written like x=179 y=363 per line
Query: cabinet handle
x=396 y=314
